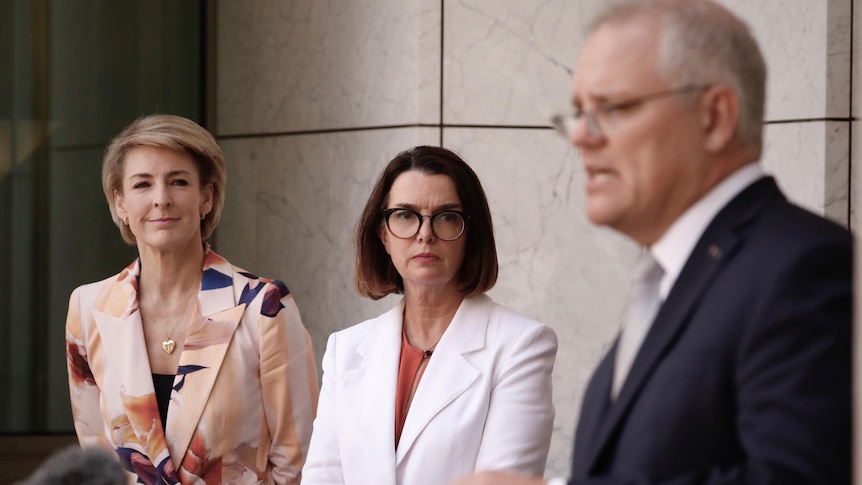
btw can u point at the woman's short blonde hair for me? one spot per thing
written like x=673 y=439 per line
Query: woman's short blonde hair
x=175 y=133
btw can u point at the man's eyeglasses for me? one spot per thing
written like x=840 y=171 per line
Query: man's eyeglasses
x=603 y=119
x=405 y=223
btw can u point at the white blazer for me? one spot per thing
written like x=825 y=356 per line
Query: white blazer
x=484 y=401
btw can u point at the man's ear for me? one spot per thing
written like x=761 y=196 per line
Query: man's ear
x=719 y=117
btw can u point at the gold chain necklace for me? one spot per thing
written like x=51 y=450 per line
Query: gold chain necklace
x=168 y=344
x=429 y=350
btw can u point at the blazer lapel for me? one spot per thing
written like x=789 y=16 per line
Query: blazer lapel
x=717 y=245
x=369 y=396
x=594 y=409
x=448 y=374
x=121 y=330
x=208 y=337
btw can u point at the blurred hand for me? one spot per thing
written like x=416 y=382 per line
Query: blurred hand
x=498 y=478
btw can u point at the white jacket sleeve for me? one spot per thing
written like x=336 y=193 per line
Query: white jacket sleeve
x=323 y=465
x=520 y=419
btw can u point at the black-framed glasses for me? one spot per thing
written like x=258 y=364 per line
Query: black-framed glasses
x=602 y=120
x=405 y=223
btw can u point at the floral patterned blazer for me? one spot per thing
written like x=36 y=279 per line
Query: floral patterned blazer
x=244 y=397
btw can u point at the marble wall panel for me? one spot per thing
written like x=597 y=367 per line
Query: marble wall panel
x=856 y=208
x=856 y=213
x=807 y=53
x=291 y=208
x=811 y=163
x=326 y=64
x=555 y=266
x=856 y=110
x=839 y=58
x=856 y=123
x=510 y=62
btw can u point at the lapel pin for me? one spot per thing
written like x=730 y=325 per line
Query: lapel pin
x=714 y=252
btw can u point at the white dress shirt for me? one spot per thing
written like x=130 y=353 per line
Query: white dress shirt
x=674 y=247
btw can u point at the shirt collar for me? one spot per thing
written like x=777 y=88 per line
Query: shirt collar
x=675 y=245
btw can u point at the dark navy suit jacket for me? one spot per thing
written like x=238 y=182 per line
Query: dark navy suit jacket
x=745 y=375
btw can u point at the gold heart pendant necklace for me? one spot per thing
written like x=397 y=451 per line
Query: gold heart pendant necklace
x=169 y=345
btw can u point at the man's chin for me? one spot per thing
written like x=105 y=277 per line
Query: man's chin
x=601 y=214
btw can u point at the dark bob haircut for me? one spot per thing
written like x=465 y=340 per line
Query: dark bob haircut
x=376 y=276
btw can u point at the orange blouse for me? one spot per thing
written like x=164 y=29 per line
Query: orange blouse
x=411 y=366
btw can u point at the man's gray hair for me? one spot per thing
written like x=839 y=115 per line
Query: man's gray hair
x=702 y=42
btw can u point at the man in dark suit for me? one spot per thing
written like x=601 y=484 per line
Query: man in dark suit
x=743 y=375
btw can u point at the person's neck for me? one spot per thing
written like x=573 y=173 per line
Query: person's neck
x=168 y=277
x=720 y=168
x=427 y=314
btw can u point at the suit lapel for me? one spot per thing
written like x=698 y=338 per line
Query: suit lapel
x=369 y=396
x=594 y=409
x=121 y=330
x=716 y=246
x=448 y=374
x=208 y=337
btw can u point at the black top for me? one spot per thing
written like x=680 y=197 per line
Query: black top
x=163 y=384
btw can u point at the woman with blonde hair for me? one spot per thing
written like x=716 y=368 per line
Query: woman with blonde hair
x=191 y=369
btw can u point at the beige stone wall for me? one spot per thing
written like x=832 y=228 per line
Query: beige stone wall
x=315 y=96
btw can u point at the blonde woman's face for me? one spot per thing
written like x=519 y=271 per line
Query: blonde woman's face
x=162 y=199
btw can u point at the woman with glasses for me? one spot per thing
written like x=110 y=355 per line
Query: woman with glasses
x=447 y=382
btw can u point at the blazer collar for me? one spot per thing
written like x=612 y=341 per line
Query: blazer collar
x=369 y=395
x=449 y=373
x=720 y=241
x=120 y=331
x=219 y=290
x=118 y=320
x=216 y=292
x=370 y=387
